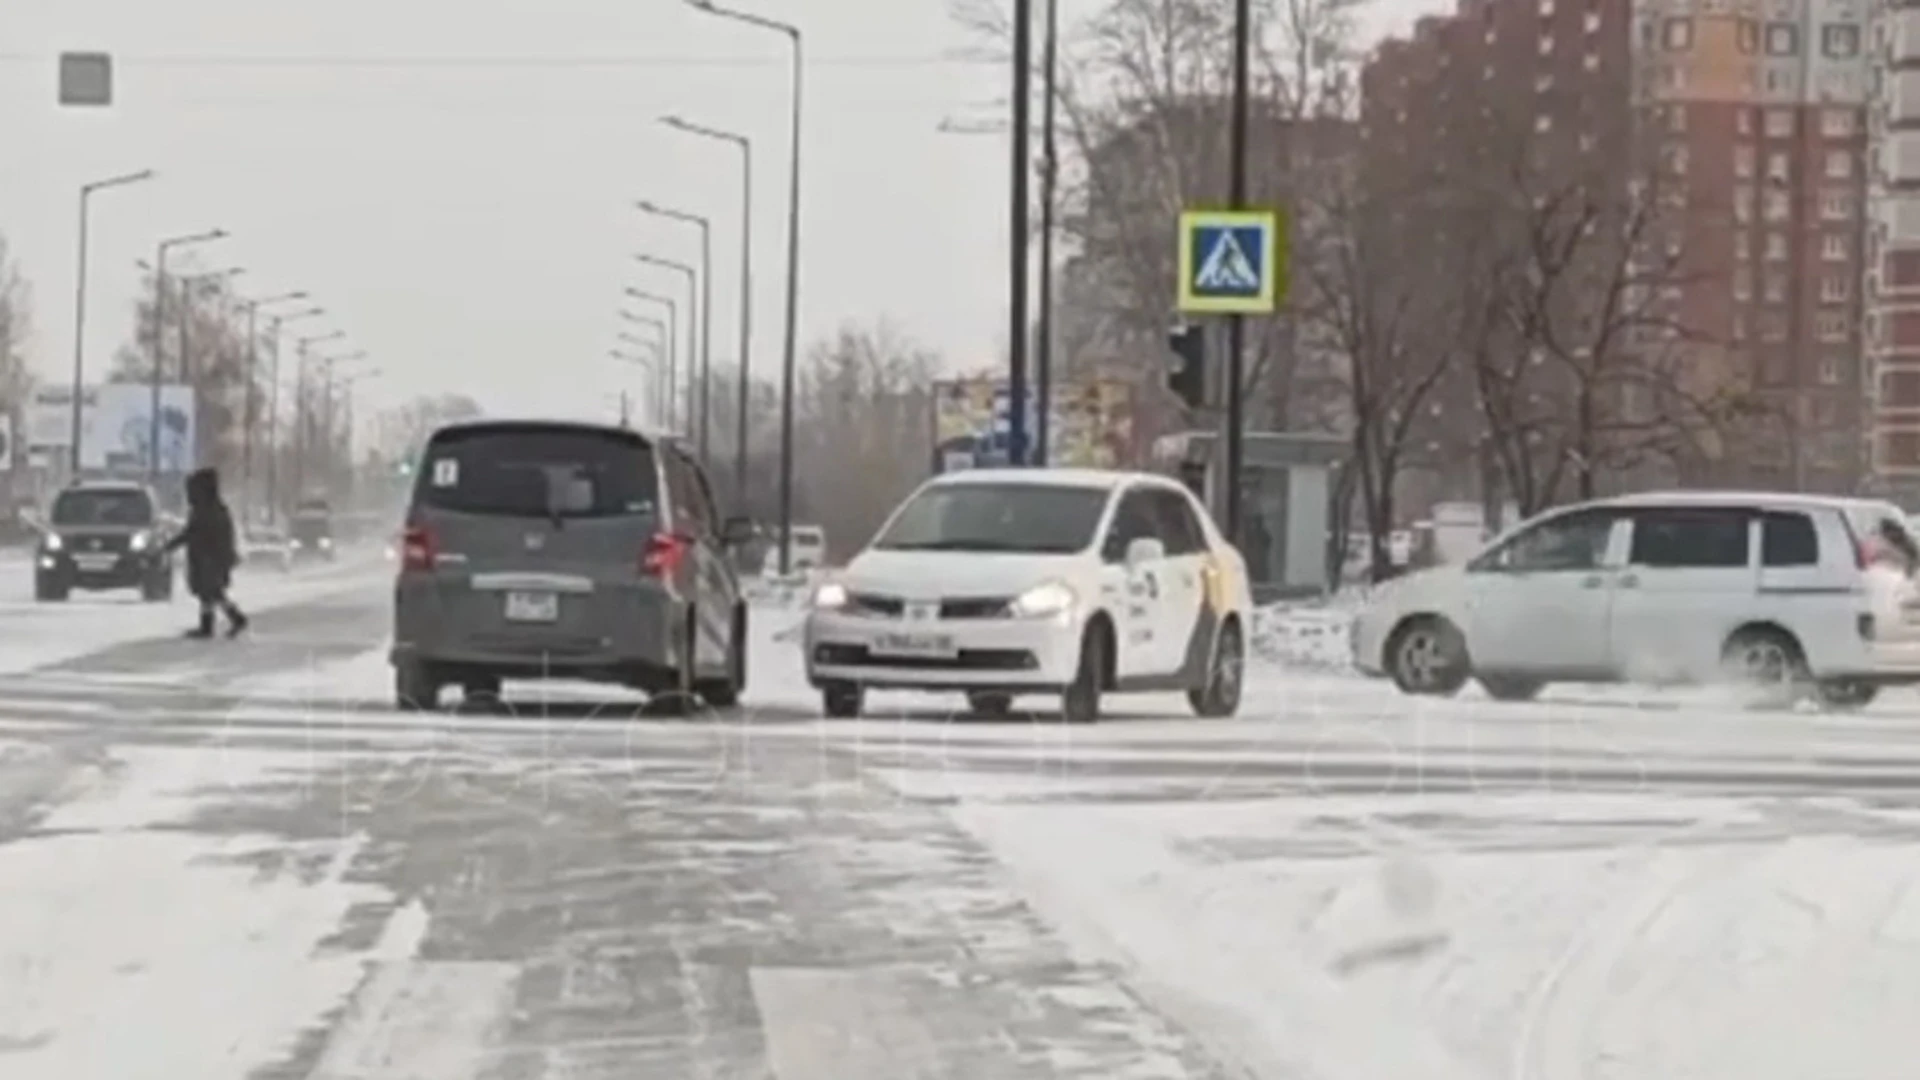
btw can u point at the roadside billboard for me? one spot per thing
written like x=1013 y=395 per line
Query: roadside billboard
x=116 y=426
x=1092 y=423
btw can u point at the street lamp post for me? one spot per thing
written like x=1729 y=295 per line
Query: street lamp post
x=659 y=401
x=159 y=332
x=251 y=398
x=273 y=411
x=745 y=389
x=789 y=347
x=663 y=416
x=330 y=384
x=703 y=420
x=692 y=283
x=80 y=307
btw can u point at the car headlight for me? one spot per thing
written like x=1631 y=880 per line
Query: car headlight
x=54 y=543
x=140 y=541
x=830 y=597
x=1051 y=598
x=325 y=542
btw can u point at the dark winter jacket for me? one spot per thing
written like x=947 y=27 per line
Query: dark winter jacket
x=208 y=537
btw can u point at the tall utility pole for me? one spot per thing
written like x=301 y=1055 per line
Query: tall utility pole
x=1236 y=324
x=790 y=349
x=158 y=374
x=693 y=284
x=273 y=412
x=80 y=309
x=1049 y=178
x=1018 y=332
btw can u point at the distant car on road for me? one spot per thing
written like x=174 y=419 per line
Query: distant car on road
x=809 y=550
x=999 y=582
x=311 y=530
x=1793 y=595
x=552 y=550
x=100 y=535
x=268 y=547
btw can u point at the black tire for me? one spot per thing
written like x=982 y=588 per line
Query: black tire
x=989 y=704
x=1080 y=700
x=1510 y=687
x=49 y=591
x=1427 y=657
x=1220 y=696
x=1845 y=695
x=683 y=697
x=1768 y=664
x=842 y=701
x=482 y=690
x=725 y=693
x=416 y=687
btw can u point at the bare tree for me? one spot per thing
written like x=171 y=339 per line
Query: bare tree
x=1145 y=99
x=866 y=439
x=16 y=329
x=1399 y=332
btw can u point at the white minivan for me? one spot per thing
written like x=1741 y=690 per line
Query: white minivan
x=1797 y=594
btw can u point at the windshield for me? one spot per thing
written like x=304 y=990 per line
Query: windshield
x=1051 y=518
x=116 y=509
x=538 y=471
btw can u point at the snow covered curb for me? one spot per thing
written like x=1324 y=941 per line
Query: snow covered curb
x=1315 y=635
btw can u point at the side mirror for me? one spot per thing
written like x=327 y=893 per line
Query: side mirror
x=1145 y=549
x=736 y=531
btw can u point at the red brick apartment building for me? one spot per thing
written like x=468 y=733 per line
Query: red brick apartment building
x=1893 y=248
x=1757 y=114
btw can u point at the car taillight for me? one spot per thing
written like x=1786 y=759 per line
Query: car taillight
x=664 y=554
x=1867 y=552
x=417 y=548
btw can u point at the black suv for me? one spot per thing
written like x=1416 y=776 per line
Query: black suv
x=103 y=535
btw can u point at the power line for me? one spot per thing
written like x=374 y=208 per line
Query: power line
x=325 y=62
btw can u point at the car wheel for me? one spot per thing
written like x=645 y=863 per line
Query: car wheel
x=989 y=704
x=1427 y=656
x=1220 y=696
x=725 y=693
x=49 y=591
x=841 y=701
x=1845 y=695
x=1510 y=688
x=1080 y=701
x=416 y=687
x=481 y=691
x=1767 y=665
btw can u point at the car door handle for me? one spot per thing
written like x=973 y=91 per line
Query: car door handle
x=1593 y=581
x=1629 y=581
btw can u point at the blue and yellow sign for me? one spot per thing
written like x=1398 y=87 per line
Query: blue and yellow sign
x=1232 y=262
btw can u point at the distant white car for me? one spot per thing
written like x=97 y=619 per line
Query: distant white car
x=998 y=582
x=809 y=551
x=1792 y=594
x=266 y=547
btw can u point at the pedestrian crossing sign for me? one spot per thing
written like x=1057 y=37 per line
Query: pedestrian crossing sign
x=1232 y=262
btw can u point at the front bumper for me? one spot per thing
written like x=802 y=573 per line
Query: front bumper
x=988 y=654
x=91 y=570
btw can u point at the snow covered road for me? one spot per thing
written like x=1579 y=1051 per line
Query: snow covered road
x=233 y=861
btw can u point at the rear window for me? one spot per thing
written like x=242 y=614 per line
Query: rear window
x=102 y=507
x=537 y=471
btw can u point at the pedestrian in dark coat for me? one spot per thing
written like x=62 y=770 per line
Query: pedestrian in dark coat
x=212 y=552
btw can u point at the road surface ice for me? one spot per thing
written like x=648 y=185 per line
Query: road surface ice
x=235 y=860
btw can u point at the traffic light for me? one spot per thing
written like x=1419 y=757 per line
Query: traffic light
x=1187 y=374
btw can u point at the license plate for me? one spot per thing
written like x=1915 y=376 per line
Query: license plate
x=95 y=562
x=914 y=645
x=533 y=606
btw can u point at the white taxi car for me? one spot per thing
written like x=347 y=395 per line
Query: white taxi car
x=1794 y=595
x=999 y=582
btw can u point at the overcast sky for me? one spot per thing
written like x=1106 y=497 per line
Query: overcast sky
x=453 y=180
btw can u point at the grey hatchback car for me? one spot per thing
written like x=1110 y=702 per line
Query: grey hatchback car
x=560 y=550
